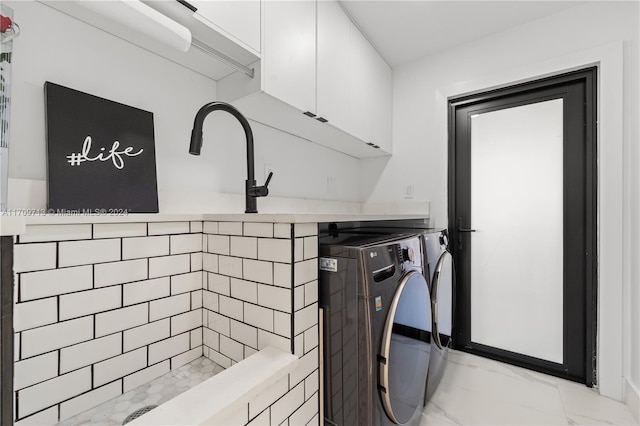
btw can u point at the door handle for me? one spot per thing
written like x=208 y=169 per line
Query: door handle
x=461 y=229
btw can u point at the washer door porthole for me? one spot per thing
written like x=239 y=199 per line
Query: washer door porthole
x=405 y=349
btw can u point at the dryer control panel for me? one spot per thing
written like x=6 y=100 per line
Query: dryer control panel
x=385 y=261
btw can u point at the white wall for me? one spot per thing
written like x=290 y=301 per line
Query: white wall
x=420 y=141
x=54 y=47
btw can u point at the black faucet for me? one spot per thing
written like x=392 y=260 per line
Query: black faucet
x=251 y=190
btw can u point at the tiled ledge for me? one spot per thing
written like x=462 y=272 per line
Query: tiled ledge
x=226 y=394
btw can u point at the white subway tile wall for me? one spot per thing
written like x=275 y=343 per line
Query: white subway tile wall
x=134 y=248
x=186 y=243
x=196 y=261
x=144 y=376
x=147 y=334
x=54 y=391
x=143 y=291
x=91 y=352
x=166 y=228
x=114 y=230
x=36 y=285
x=34 y=257
x=120 y=272
x=40 y=233
x=119 y=366
x=88 y=302
x=256 y=308
x=103 y=308
x=35 y=370
x=72 y=253
x=90 y=399
x=94 y=303
x=55 y=336
x=196 y=227
x=35 y=314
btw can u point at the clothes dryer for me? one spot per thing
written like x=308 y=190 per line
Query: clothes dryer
x=377 y=328
x=440 y=273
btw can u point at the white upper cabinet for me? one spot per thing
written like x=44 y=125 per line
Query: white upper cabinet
x=319 y=78
x=360 y=82
x=237 y=19
x=371 y=85
x=289 y=59
x=333 y=62
x=381 y=100
x=300 y=66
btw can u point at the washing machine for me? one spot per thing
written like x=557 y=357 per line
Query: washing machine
x=440 y=275
x=377 y=321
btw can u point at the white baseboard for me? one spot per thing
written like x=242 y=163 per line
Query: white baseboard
x=632 y=399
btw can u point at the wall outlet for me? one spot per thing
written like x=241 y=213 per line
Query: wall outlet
x=409 y=190
x=332 y=185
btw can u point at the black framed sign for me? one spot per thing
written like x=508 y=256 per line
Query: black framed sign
x=100 y=154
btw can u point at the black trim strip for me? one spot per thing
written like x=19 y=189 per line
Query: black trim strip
x=293 y=285
x=6 y=331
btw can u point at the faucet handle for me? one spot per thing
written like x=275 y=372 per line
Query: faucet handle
x=261 y=191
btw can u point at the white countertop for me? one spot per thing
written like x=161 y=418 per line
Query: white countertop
x=12 y=225
x=15 y=224
x=306 y=218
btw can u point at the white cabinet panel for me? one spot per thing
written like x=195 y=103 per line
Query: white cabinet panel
x=380 y=98
x=334 y=28
x=360 y=83
x=370 y=93
x=239 y=19
x=289 y=57
x=315 y=59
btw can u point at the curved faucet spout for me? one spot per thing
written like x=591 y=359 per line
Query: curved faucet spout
x=251 y=190
x=196 y=133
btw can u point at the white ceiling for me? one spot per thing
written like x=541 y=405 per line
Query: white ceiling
x=406 y=30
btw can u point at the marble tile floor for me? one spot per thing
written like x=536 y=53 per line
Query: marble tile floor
x=473 y=391
x=480 y=391
x=162 y=389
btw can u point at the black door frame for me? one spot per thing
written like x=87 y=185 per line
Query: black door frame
x=589 y=77
x=6 y=330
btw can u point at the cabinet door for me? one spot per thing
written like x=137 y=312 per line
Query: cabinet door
x=239 y=19
x=360 y=84
x=289 y=56
x=370 y=93
x=381 y=101
x=334 y=28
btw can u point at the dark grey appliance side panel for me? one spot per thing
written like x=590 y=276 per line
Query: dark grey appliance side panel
x=6 y=330
x=338 y=298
